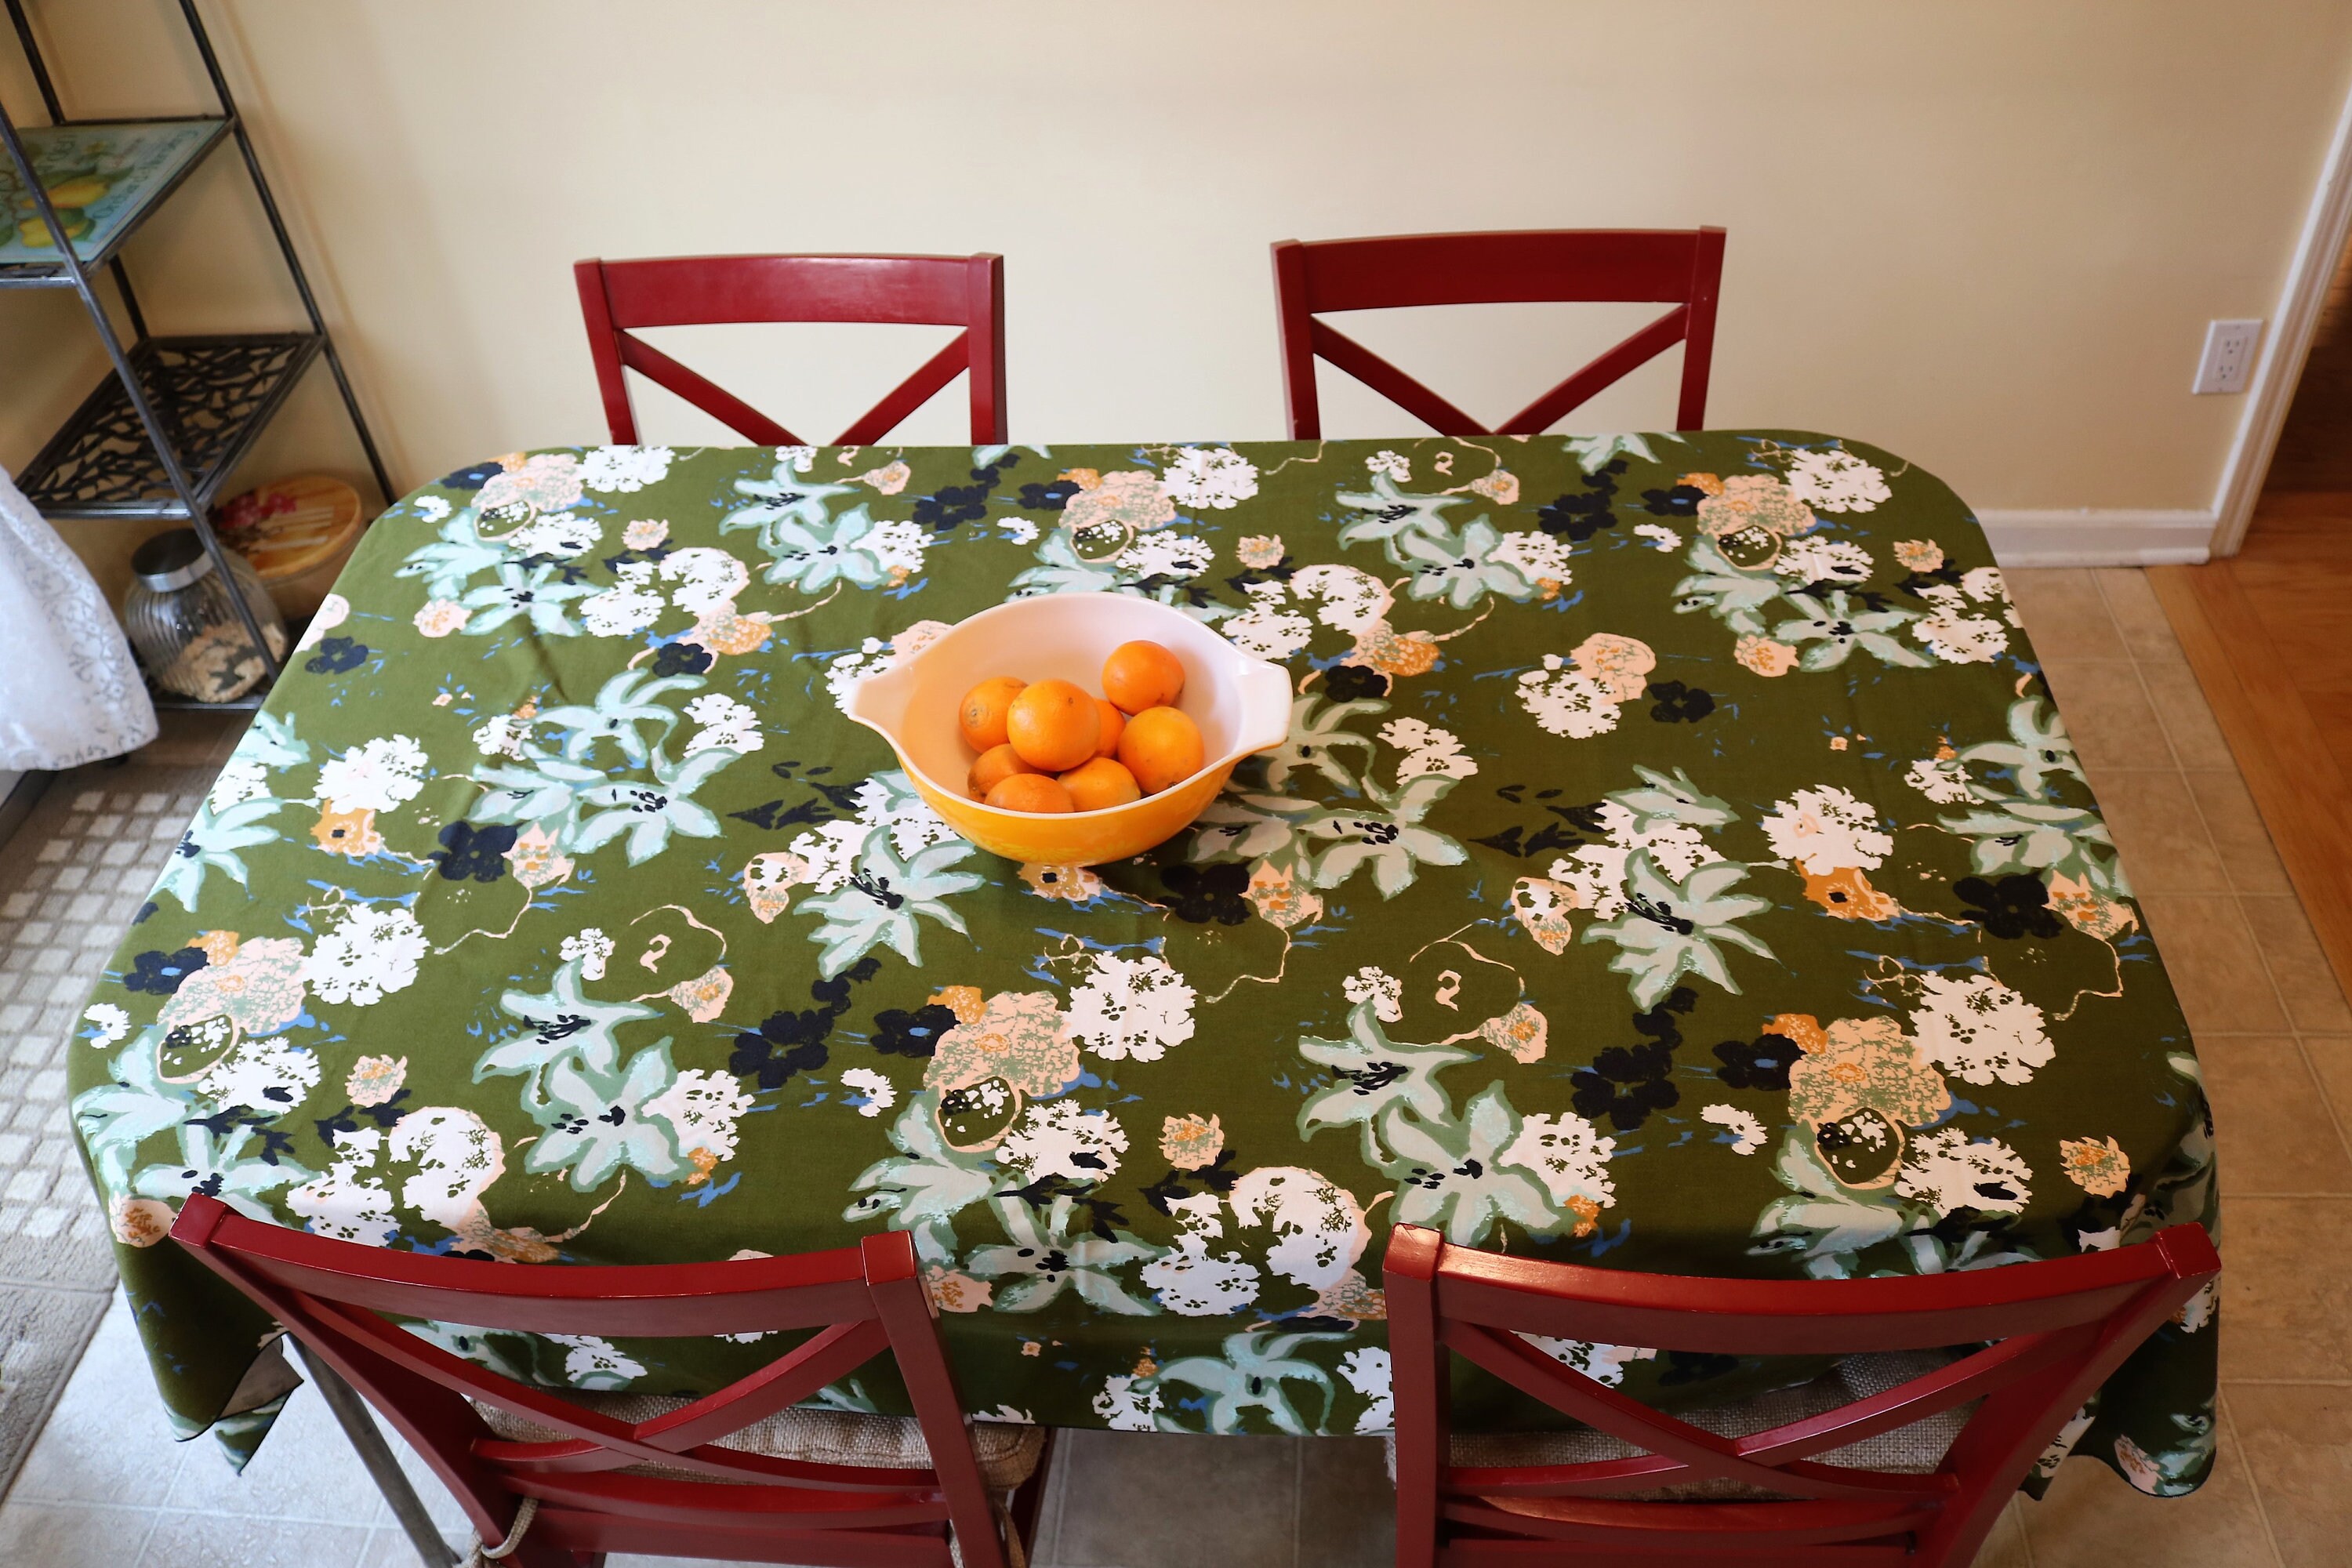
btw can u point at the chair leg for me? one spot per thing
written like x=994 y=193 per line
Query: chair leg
x=1029 y=1497
x=360 y=1426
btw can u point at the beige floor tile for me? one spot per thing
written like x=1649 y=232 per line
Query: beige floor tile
x=220 y=1541
x=2275 y=1132
x=2306 y=982
x=109 y=1437
x=61 y=1535
x=2331 y=1059
x=2006 y=1547
x=2064 y=613
x=2138 y=616
x=2286 y=1275
x=2094 y=1518
x=2107 y=713
x=388 y=1548
x=2159 y=834
x=304 y=1469
x=2236 y=828
x=2209 y=951
x=2187 y=721
x=1152 y=1499
x=2298 y=1443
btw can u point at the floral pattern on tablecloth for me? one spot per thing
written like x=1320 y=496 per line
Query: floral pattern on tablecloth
x=1676 y=862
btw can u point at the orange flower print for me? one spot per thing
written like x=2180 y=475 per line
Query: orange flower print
x=1276 y=896
x=1763 y=656
x=1705 y=482
x=1071 y=884
x=1847 y=894
x=704 y=998
x=2088 y=910
x=722 y=630
x=1394 y=655
x=963 y=1001
x=1799 y=1029
x=1520 y=1033
x=1191 y=1142
x=2097 y=1165
x=350 y=833
x=218 y=946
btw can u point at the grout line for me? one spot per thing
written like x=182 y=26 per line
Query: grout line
x=1297 y=1491
x=2254 y=1477
x=2289 y=1381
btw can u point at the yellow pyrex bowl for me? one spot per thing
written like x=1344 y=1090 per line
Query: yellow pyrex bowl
x=1242 y=705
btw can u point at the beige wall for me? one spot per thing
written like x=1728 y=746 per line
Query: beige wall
x=1986 y=235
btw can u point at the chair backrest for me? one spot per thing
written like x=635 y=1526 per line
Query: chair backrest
x=863 y=1301
x=966 y=291
x=1681 y=267
x=2051 y=1332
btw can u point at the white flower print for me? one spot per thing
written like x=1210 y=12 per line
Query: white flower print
x=1538 y=557
x=561 y=534
x=432 y=508
x=1596 y=872
x=1824 y=561
x=1747 y=1132
x=591 y=949
x=1062 y=1137
x=261 y=1075
x=889 y=800
x=1214 y=477
x=1368 y=1373
x=829 y=851
x=1941 y=779
x=366 y=957
x=243 y=779
x=1266 y=629
x=726 y=723
x=874 y=1090
x=109 y=1023
x=381 y=774
x=1427 y=750
x=1836 y=481
x=502 y=736
x=1604 y=1364
x=333 y=612
x=1131 y=1009
x=1979 y=1030
x=1126 y=1404
x=1660 y=536
x=1192 y=1283
x=799 y=459
x=644 y=533
x=595 y=1364
x=1260 y=550
x=1168 y=555
x=1378 y=986
x=375 y=1080
x=1961 y=639
x=614 y=470
x=1395 y=465
x=1826 y=829
x=1353 y=600
x=1019 y=529
x=1569 y=1157
x=702 y=1108
x=1946 y=1171
x=1565 y=701
x=706 y=578
x=626 y=608
x=349 y=1202
x=1318 y=1227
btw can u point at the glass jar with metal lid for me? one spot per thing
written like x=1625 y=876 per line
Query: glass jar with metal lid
x=185 y=627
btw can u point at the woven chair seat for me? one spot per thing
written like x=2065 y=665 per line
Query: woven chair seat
x=1915 y=1449
x=1008 y=1454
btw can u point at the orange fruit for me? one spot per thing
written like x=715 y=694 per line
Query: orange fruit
x=981 y=715
x=1100 y=783
x=1161 y=747
x=1141 y=674
x=1113 y=722
x=1053 y=725
x=995 y=765
x=1030 y=791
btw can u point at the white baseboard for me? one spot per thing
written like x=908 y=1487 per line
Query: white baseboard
x=2102 y=537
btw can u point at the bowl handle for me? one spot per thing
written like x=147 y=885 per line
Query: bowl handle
x=1265 y=706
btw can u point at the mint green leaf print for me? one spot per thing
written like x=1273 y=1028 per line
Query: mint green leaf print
x=650 y=812
x=786 y=509
x=815 y=556
x=1386 y=513
x=621 y=705
x=211 y=844
x=2031 y=837
x=884 y=900
x=1376 y=1081
x=1673 y=929
x=537 y=595
x=927 y=1183
x=116 y=1118
x=1253 y=1376
x=1827 y=1223
x=1452 y=1177
x=596 y=1121
x=1829 y=629
x=1390 y=839
x=566 y=1023
x=1316 y=736
x=218 y=1166
x=457 y=558
x=1044 y=1260
x=1662 y=799
x=2037 y=747
x=1592 y=451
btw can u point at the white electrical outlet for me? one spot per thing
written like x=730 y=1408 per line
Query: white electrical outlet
x=2229 y=357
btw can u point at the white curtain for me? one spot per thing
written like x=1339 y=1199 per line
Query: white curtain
x=70 y=690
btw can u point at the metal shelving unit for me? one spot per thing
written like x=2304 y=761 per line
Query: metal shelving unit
x=162 y=435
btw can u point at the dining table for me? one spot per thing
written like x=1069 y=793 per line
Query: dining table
x=1676 y=862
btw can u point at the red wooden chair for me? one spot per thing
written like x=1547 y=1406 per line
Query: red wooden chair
x=965 y=292
x=1848 y=1480
x=738 y=1474
x=1683 y=266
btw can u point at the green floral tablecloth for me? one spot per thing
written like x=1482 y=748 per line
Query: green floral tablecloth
x=1676 y=864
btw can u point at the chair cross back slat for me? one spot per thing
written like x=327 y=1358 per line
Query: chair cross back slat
x=968 y=292
x=752 y=1504
x=1681 y=268
x=2050 y=1333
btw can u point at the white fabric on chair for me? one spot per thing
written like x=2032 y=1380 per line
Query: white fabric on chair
x=70 y=690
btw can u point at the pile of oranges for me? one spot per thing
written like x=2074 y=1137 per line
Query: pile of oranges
x=1051 y=747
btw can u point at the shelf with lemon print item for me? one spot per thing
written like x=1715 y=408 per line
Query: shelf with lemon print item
x=160 y=437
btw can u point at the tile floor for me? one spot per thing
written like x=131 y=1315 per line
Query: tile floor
x=106 y=1485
